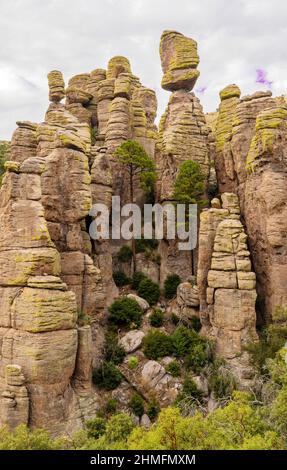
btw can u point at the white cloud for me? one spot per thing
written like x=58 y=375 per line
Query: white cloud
x=235 y=38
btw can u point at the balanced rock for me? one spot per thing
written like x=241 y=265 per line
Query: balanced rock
x=56 y=86
x=179 y=61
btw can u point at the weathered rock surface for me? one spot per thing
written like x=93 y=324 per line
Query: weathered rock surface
x=179 y=61
x=228 y=297
x=132 y=340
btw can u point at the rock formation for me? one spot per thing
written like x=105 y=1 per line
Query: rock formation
x=183 y=133
x=227 y=283
x=56 y=282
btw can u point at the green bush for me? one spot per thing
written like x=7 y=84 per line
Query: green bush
x=137 y=278
x=195 y=349
x=133 y=362
x=119 y=427
x=272 y=339
x=149 y=291
x=111 y=406
x=143 y=245
x=113 y=351
x=195 y=323
x=125 y=311
x=121 y=279
x=107 y=376
x=156 y=318
x=182 y=339
x=198 y=356
x=170 y=286
x=96 y=427
x=136 y=404
x=125 y=254
x=190 y=389
x=175 y=319
x=173 y=368
x=153 y=409
x=221 y=382
x=157 y=345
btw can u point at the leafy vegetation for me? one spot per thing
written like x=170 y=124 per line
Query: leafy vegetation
x=189 y=184
x=139 y=165
x=137 y=278
x=156 y=318
x=149 y=291
x=125 y=254
x=157 y=345
x=272 y=339
x=121 y=279
x=170 y=286
x=145 y=245
x=4 y=150
x=133 y=362
x=113 y=351
x=136 y=404
x=107 y=376
x=126 y=312
x=173 y=368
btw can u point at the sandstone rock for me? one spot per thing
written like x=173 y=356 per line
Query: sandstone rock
x=228 y=303
x=179 y=60
x=118 y=65
x=152 y=373
x=144 y=305
x=56 y=86
x=132 y=340
x=223 y=132
x=145 y=422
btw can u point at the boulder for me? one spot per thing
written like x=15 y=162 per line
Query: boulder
x=132 y=340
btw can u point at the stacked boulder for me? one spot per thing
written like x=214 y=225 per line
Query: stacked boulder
x=227 y=283
x=183 y=133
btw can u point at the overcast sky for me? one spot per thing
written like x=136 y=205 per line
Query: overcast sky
x=235 y=37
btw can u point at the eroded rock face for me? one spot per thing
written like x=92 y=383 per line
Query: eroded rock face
x=223 y=132
x=265 y=207
x=183 y=135
x=227 y=290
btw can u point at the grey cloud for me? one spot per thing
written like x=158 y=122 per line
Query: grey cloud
x=235 y=38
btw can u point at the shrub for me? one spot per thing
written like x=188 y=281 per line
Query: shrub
x=121 y=279
x=153 y=409
x=96 y=427
x=222 y=383
x=133 y=362
x=149 y=291
x=119 y=427
x=182 y=339
x=198 y=356
x=111 y=406
x=107 y=376
x=125 y=311
x=143 y=245
x=173 y=368
x=156 y=318
x=125 y=254
x=272 y=339
x=136 y=404
x=195 y=323
x=170 y=286
x=113 y=351
x=156 y=345
x=190 y=389
x=137 y=278
x=175 y=319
